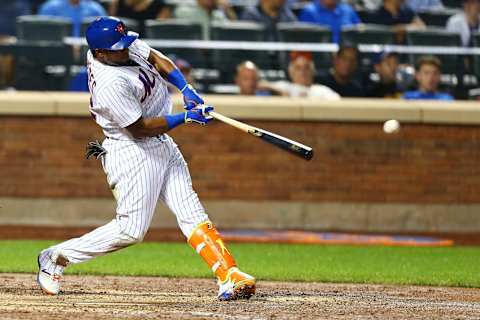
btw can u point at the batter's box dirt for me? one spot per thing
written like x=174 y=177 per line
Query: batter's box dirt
x=89 y=297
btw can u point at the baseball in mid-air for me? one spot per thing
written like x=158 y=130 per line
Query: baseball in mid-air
x=391 y=126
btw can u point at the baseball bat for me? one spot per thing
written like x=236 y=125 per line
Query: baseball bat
x=294 y=147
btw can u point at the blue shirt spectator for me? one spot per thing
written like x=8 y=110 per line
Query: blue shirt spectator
x=420 y=95
x=427 y=74
x=269 y=13
x=76 y=10
x=330 y=13
x=9 y=11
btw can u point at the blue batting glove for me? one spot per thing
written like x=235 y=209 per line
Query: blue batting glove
x=204 y=110
x=191 y=97
x=196 y=116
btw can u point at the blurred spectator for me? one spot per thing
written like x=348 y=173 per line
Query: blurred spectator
x=9 y=11
x=332 y=13
x=204 y=12
x=428 y=73
x=76 y=10
x=187 y=71
x=341 y=78
x=370 y=5
x=385 y=65
x=140 y=10
x=466 y=22
x=301 y=71
x=185 y=68
x=35 y=4
x=248 y=80
x=297 y=3
x=396 y=14
x=425 y=5
x=269 y=13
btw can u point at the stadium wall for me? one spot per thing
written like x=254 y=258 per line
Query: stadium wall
x=424 y=179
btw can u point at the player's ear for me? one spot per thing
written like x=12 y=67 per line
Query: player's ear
x=98 y=53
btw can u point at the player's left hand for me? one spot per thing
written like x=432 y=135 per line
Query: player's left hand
x=197 y=115
x=204 y=109
x=191 y=97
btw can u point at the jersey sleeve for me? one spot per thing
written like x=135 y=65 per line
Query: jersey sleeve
x=141 y=48
x=120 y=104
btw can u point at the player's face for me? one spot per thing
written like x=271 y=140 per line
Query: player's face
x=428 y=78
x=113 y=57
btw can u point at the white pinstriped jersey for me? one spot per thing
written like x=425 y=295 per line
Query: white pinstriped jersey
x=140 y=172
x=120 y=95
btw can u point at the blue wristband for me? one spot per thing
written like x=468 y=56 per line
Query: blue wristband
x=174 y=120
x=176 y=78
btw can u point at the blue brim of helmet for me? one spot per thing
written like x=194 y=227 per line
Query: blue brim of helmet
x=125 y=41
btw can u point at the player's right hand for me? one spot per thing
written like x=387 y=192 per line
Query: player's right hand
x=191 y=97
x=199 y=116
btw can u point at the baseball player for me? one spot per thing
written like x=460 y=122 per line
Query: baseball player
x=130 y=101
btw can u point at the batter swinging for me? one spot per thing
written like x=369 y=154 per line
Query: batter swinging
x=130 y=101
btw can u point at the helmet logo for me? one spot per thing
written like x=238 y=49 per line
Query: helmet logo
x=120 y=28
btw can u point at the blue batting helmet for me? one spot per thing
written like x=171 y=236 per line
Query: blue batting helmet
x=109 y=33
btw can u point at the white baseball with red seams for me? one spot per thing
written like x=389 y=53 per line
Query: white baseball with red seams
x=391 y=126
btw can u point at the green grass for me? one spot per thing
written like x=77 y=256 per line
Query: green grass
x=454 y=266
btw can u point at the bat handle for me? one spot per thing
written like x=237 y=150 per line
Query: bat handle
x=237 y=124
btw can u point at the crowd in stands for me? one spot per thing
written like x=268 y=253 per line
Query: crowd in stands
x=386 y=75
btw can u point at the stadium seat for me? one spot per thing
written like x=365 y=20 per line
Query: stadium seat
x=305 y=33
x=437 y=18
x=178 y=29
x=440 y=38
x=42 y=65
x=367 y=34
x=172 y=29
x=43 y=61
x=241 y=31
x=43 y=28
x=452 y=3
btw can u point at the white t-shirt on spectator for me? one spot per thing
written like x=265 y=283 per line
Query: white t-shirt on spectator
x=314 y=91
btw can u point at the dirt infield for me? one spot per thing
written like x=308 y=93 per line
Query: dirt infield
x=91 y=297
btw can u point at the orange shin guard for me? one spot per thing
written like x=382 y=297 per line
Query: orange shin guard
x=206 y=240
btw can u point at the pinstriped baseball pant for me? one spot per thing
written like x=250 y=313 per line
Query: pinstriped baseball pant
x=140 y=174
